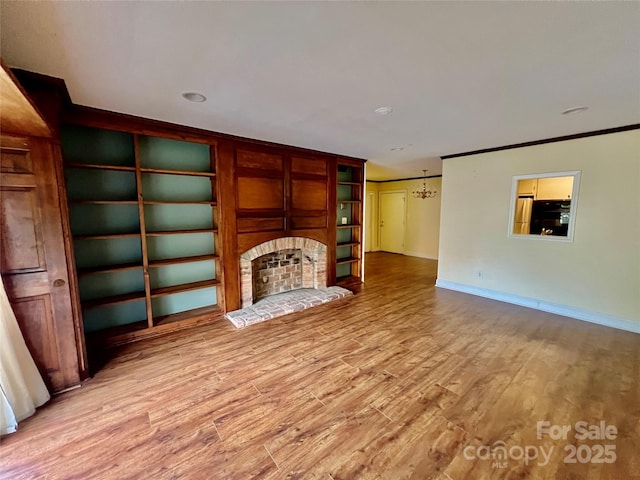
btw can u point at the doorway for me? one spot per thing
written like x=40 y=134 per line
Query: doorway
x=392 y=221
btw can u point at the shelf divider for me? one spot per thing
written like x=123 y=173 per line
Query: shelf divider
x=178 y=260
x=341 y=261
x=120 y=168
x=179 y=202
x=347 y=244
x=109 y=268
x=104 y=236
x=112 y=300
x=184 y=287
x=186 y=315
x=181 y=232
x=164 y=171
x=104 y=202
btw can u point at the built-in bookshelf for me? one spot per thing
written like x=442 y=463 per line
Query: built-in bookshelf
x=143 y=215
x=349 y=214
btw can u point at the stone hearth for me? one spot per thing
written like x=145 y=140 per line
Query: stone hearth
x=281 y=304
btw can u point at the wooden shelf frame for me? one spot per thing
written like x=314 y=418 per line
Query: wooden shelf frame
x=154 y=321
x=126 y=333
x=350 y=184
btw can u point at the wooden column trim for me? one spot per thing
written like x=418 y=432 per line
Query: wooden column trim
x=217 y=238
x=228 y=228
x=286 y=166
x=143 y=233
x=74 y=290
x=332 y=185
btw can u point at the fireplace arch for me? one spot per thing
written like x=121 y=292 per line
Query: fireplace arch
x=314 y=263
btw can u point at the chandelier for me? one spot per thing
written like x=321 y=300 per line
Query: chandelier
x=423 y=192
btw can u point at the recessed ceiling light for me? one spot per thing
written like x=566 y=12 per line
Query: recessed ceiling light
x=575 y=110
x=386 y=110
x=194 y=97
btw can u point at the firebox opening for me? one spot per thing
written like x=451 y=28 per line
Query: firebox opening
x=276 y=272
x=312 y=261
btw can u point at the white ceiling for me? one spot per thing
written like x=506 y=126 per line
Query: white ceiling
x=460 y=76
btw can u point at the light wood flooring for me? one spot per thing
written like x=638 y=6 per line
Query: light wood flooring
x=395 y=382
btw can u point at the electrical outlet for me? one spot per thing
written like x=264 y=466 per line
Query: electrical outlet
x=344 y=221
x=480 y=274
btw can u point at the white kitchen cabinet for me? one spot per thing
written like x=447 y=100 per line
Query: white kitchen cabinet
x=554 y=188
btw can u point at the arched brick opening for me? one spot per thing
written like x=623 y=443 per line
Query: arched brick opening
x=314 y=263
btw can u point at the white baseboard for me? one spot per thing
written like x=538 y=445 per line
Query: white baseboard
x=420 y=255
x=585 y=315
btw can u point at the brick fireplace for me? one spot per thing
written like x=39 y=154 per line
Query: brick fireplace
x=281 y=265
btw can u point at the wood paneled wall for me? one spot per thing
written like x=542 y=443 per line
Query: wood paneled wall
x=265 y=190
x=268 y=193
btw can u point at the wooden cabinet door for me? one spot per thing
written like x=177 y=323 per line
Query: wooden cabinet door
x=554 y=188
x=33 y=262
x=527 y=186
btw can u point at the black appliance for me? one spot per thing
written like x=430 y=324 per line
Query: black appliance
x=550 y=215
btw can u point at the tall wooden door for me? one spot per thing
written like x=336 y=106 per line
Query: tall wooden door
x=392 y=213
x=33 y=262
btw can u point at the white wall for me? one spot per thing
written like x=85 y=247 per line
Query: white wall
x=371 y=219
x=422 y=226
x=596 y=277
